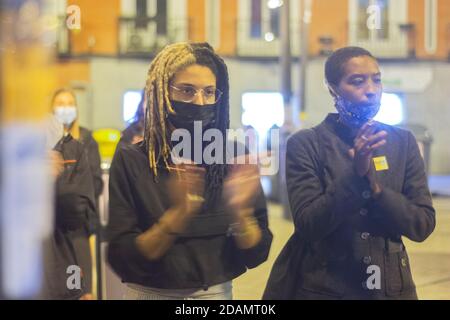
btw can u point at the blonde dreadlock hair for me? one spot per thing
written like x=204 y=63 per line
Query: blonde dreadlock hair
x=167 y=63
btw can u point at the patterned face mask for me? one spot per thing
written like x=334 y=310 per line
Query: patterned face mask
x=355 y=115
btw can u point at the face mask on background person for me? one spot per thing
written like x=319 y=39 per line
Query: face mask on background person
x=66 y=115
x=187 y=113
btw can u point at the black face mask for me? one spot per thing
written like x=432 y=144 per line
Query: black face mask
x=187 y=113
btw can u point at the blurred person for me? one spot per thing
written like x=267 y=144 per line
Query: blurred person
x=356 y=187
x=73 y=204
x=134 y=133
x=64 y=106
x=184 y=231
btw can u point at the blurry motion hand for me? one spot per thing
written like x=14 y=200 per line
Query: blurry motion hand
x=239 y=191
x=241 y=186
x=56 y=163
x=187 y=187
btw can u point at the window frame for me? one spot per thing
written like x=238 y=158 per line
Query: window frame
x=396 y=44
x=248 y=46
x=431 y=26
x=213 y=22
x=177 y=23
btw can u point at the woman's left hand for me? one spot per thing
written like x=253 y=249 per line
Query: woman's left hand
x=240 y=191
x=241 y=186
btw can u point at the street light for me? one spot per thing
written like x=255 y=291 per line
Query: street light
x=274 y=4
x=269 y=36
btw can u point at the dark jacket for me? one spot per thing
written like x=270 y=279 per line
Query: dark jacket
x=134 y=129
x=74 y=203
x=94 y=160
x=203 y=256
x=346 y=230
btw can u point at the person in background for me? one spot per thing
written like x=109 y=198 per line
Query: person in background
x=134 y=133
x=73 y=204
x=64 y=106
x=184 y=231
x=65 y=109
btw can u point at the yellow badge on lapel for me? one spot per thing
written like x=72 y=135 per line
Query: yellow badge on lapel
x=381 y=163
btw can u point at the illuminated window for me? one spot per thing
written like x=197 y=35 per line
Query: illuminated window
x=131 y=101
x=262 y=111
x=258 y=27
x=256 y=18
x=391 y=111
x=264 y=15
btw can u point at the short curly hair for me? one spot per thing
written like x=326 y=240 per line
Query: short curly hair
x=334 y=66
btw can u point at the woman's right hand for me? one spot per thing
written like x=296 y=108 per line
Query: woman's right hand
x=56 y=162
x=366 y=141
x=187 y=187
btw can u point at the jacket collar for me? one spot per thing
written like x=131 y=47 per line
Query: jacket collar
x=333 y=124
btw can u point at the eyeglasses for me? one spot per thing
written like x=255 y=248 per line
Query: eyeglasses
x=188 y=94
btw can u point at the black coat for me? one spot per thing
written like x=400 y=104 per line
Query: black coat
x=134 y=129
x=204 y=255
x=93 y=154
x=344 y=229
x=74 y=204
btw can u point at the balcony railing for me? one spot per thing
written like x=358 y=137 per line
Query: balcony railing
x=393 y=42
x=143 y=36
x=264 y=42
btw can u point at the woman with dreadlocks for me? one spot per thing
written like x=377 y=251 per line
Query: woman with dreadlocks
x=184 y=231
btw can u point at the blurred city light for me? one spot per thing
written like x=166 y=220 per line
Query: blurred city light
x=391 y=111
x=273 y=4
x=131 y=101
x=269 y=37
x=262 y=110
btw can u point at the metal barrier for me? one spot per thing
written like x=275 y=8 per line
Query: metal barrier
x=111 y=286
